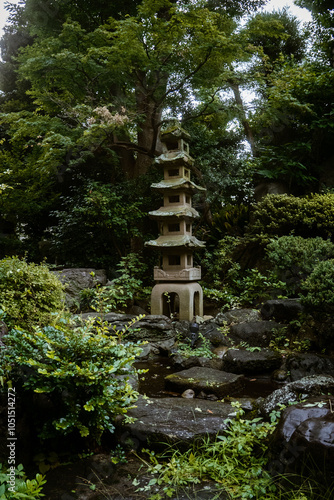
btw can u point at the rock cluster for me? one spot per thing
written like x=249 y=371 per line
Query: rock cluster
x=240 y=343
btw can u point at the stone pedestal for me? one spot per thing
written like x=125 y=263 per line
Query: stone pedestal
x=185 y=300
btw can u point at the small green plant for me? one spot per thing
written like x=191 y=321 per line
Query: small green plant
x=282 y=341
x=14 y=484
x=255 y=287
x=224 y=297
x=29 y=293
x=118 y=455
x=184 y=348
x=228 y=283
x=244 y=345
x=83 y=369
x=247 y=288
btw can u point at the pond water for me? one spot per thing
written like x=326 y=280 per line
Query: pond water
x=152 y=383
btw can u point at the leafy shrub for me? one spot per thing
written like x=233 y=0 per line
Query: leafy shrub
x=123 y=290
x=220 y=272
x=250 y=288
x=296 y=253
x=30 y=489
x=29 y=293
x=220 y=264
x=83 y=370
x=286 y=214
x=222 y=297
x=318 y=288
x=294 y=257
x=229 y=284
x=255 y=287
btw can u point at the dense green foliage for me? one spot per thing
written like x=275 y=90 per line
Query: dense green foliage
x=303 y=216
x=100 y=210
x=294 y=257
x=30 y=489
x=298 y=255
x=318 y=288
x=83 y=369
x=231 y=282
x=86 y=87
x=29 y=293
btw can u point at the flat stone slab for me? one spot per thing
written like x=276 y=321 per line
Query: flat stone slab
x=207 y=380
x=243 y=361
x=174 y=420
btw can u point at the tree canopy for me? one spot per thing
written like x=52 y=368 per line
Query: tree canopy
x=86 y=86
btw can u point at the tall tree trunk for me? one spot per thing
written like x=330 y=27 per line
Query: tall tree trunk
x=243 y=117
x=148 y=132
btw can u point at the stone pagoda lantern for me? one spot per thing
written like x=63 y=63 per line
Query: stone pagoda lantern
x=177 y=292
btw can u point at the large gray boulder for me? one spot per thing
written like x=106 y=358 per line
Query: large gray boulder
x=78 y=279
x=151 y=328
x=281 y=309
x=300 y=365
x=314 y=385
x=305 y=437
x=181 y=362
x=255 y=333
x=174 y=420
x=242 y=315
x=206 y=380
x=243 y=361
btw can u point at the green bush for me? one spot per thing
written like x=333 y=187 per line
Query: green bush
x=83 y=370
x=220 y=266
x=295 y=257
x=29 y=293
x=29 y=489
x=318 y=288
x=227 y=283
x=286 y=214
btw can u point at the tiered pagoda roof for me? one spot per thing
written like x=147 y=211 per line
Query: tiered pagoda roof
x=182 y=240
x=177 y=184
